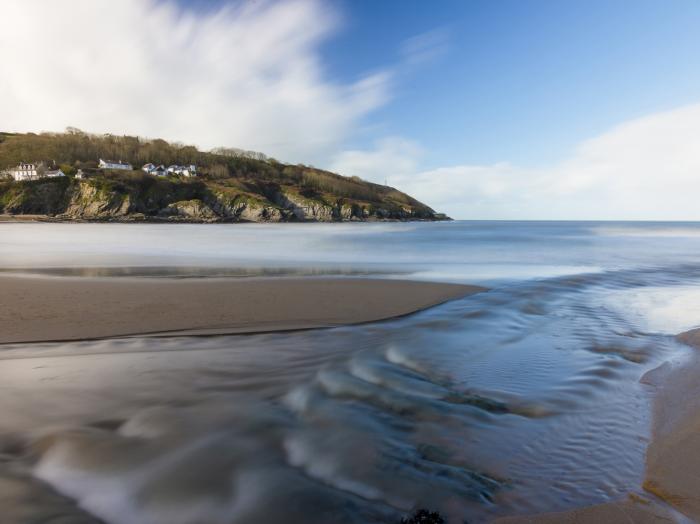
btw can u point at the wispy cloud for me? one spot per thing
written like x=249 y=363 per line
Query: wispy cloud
x=425 y=47
x=647 y=168
x=247 y=75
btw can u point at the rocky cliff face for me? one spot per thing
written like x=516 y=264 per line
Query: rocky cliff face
x=242 y=209
x=37 y=199
x=304 y=209
x=188 y=209
x=139 y=198
x=88 y=201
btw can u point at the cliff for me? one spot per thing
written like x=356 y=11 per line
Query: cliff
x=232 y=186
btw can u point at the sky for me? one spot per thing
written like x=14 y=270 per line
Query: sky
x=483 y=109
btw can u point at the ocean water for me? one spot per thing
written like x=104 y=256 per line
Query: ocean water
x=528 y=397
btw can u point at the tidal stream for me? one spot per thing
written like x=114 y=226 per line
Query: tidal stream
x=521 y=399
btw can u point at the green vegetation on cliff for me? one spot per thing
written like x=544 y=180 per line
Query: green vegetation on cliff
x=232 y=185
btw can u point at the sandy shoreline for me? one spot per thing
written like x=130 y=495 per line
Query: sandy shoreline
x=34 y=309
x=673 y=456
x=38 y=308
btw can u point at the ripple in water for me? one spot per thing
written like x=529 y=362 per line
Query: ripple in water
x=522 y=399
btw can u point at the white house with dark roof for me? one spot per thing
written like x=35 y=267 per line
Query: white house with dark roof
x=188 y=171
x=26 y=171
x=111 y=164
x=155 y=170
x=161 y=170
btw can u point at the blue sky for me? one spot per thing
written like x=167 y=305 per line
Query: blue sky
x=523 y=80
x=481 y=108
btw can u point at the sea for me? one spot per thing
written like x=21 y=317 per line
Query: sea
x=532 y=396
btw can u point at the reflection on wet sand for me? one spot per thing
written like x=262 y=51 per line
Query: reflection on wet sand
x=201 y=272
x=522 y=400
x=519 y=400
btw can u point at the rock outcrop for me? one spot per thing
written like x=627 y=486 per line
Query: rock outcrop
x=189 y=209
x=131 y=197
x=88 y=201
x=303 y=209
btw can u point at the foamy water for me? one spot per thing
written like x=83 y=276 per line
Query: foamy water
x=522 y=399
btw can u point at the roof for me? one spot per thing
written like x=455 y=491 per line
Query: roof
x=119 y=163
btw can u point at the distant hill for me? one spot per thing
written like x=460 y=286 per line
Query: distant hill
x=233 y=185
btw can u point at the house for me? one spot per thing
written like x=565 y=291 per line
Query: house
x=174 y=169
x=25 y=172
x=111 y=164
x=188 y=171
x=34 y=171
x=153 y=169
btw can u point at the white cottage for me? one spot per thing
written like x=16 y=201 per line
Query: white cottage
x=155 y=170
x=25 y=172
x=34 y=172
x=111 y=164
x=188 y=171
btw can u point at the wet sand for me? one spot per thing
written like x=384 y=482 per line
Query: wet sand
x=673 y=457
x=35 y=309
x=672 y=476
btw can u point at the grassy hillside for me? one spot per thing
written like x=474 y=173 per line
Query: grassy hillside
x=233 y=184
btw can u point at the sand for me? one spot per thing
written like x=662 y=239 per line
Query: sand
x=673 y=456
x=632 y=510
x=34 y=309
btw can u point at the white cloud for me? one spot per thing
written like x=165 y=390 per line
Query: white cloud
x=392 y=159
x=248 y=75
x=647 y=168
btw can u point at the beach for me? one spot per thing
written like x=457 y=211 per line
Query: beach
x=36 y=309
x=80 y=308
x=349 y=262
x=154 y=373
x=673 y=456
